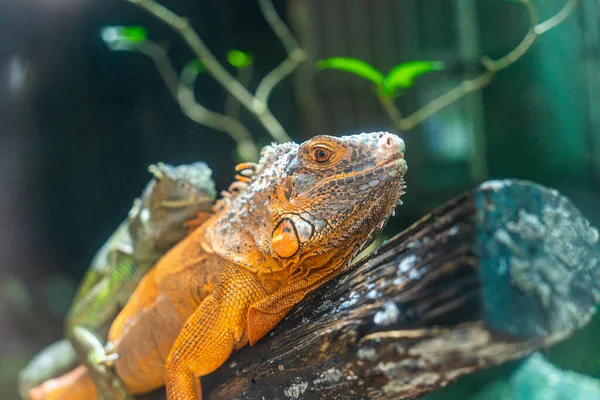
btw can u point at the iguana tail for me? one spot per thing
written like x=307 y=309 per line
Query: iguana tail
x=74 y=385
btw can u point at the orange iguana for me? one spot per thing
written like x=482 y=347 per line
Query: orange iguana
x=300 y=219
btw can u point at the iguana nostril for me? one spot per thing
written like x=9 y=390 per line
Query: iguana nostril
x=392 y=142
x=387 y=140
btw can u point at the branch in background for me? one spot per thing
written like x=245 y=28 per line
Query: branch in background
x=558 y=18
x=295 y=54
x=390 y=108
x=245 y=143
x=182 y=89
x=232 y=106
x=256 y=105
x=492 y=67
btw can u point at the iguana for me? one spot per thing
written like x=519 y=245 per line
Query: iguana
x=155 y=223
x=302 y=217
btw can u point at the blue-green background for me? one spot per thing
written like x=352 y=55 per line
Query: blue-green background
x=79 y=124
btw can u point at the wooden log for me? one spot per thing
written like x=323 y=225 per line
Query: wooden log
x=490 y=276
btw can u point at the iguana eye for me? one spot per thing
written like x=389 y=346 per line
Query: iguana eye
x=321 y=154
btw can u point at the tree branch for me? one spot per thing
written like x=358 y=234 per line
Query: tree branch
x=245 y=143
x=491 y=276
x=558 y=18
x=491 y=68
x=232 y=106
x=182 y=90
x=295 y=54
x=255 y=106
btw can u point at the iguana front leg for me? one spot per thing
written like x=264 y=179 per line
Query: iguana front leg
x=86 y=318
x=266 y=313
x=209 y=335
x=223 y=323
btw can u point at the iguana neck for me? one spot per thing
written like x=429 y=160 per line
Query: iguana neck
x=232 y=236
x=231 y=232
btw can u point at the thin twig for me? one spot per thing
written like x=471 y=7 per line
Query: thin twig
x=256 y=107
x=295 y=54
x=491 y=67
x=558 y=18
x=245 y=143
x=182 y=90
x=518 y=52
x=273 y=78
x=279 y=27
x=440 y=102
x=232 y=106
x=392 y=111
x=163 y=64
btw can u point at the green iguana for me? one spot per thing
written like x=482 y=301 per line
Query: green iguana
x=155 y=223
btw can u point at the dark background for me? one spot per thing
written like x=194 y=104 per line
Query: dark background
x=79 y=123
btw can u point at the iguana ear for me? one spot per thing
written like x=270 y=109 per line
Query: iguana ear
x=261 y=322
x=284 y=239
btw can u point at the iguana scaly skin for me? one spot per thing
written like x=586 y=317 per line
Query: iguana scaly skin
x=305 y=214
x=155 y=223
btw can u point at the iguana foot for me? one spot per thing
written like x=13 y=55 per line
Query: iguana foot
x=110 y=386
x=107 y=360
x=99 y=362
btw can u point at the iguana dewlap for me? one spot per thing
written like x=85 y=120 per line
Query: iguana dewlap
x=305 y=213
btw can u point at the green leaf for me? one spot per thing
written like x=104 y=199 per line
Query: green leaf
x=239 y=59
x=402 y=76
x=123 y=37
x=134 y=34
x=197 y=65
x=352 y=66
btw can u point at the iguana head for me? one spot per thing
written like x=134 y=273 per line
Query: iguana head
x=175 y=195
x=326 y=195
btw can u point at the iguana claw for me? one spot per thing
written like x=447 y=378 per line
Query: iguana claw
x=99 y=362
x=108 y=360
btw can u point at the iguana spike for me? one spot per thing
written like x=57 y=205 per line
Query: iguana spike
x=247 y=172
x=223 y=202
x=246 y=166
x=157 y=170
x=235 y=187
x=242 y=178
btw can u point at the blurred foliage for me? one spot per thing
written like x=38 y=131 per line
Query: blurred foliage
x=239 y=59
x=134 y=34
x=400 y=77
x=123 y=37
x=197 y=65
x=354 y=66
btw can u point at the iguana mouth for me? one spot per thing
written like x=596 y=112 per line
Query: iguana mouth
x=397 y=161
x=390 y=168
